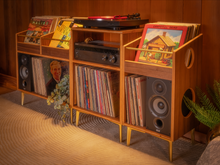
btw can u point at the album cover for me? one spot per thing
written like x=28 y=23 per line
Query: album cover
x=62 y=32
x=38 y=27
x=54 y=71
x=160 y=38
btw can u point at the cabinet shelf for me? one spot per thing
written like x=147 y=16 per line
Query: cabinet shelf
x=32 y=93
x=150 y=70
x=128 y=31
x=112 y=119
x=45 y=56
x=96 y=65
x=144 y=130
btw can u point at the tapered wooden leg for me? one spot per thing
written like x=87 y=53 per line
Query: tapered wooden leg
x=171 y=150
x=71 y=115
x=77 y=118
x=128 y=136
x=22 y=98
x=193 y=136
x=120 y=132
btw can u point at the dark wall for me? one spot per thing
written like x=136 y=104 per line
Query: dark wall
x=15 y=16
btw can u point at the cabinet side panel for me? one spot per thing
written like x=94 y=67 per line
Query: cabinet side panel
x=182 y=80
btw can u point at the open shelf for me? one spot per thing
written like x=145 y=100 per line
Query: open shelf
x=96 y=65
x=113 y=119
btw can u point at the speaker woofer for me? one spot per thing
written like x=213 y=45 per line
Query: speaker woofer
x=159 y=87
x=158 y=106
x=24 y=72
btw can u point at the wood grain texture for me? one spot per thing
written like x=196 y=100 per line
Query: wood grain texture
x=211 y=52
x=150 y=70
x=10 y=30
x=30 y=48
x=8 y=81
x=192 y=11
x=183 y=79
x=55 y=52
x=3 y=57
x=166 y=10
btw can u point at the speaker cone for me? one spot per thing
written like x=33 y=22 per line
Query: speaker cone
x=24 y=72
x=158 y=106
x=159 y=87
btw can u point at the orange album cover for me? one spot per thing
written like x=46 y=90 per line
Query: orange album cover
x=158 y=38
x=36 y=28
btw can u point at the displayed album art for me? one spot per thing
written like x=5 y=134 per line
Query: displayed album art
x=36 y=28
x=54 y=71
x=158 y=39
x=47 y=73
x=62 y=32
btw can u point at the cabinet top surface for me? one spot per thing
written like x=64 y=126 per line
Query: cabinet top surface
x=99 y=30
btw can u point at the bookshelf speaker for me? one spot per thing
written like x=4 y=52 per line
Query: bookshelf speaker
x=158 y=105
x=25 y=72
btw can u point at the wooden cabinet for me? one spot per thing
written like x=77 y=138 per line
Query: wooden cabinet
x=183 y=77
x=122 y=37
x=37 y=50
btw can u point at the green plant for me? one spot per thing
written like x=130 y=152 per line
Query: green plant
x=60 y=97
x=207 y=111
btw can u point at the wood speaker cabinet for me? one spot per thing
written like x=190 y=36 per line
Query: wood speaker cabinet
x=168 y=118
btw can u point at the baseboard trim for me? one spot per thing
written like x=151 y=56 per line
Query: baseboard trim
x=8 y=81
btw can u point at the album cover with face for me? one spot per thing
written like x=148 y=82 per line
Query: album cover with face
x=47 y=73
x=54 y=70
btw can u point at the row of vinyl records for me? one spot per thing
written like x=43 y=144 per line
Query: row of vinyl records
x=97 y=89
x=135 y=96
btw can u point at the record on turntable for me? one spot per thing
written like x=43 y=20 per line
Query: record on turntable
x=117 y=22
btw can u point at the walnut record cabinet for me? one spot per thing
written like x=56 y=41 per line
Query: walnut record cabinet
x=182 y=78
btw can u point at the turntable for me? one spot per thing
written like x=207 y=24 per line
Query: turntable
x=117 y=22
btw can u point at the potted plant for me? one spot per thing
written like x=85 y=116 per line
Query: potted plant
x=207 y=111
x=60 y=97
